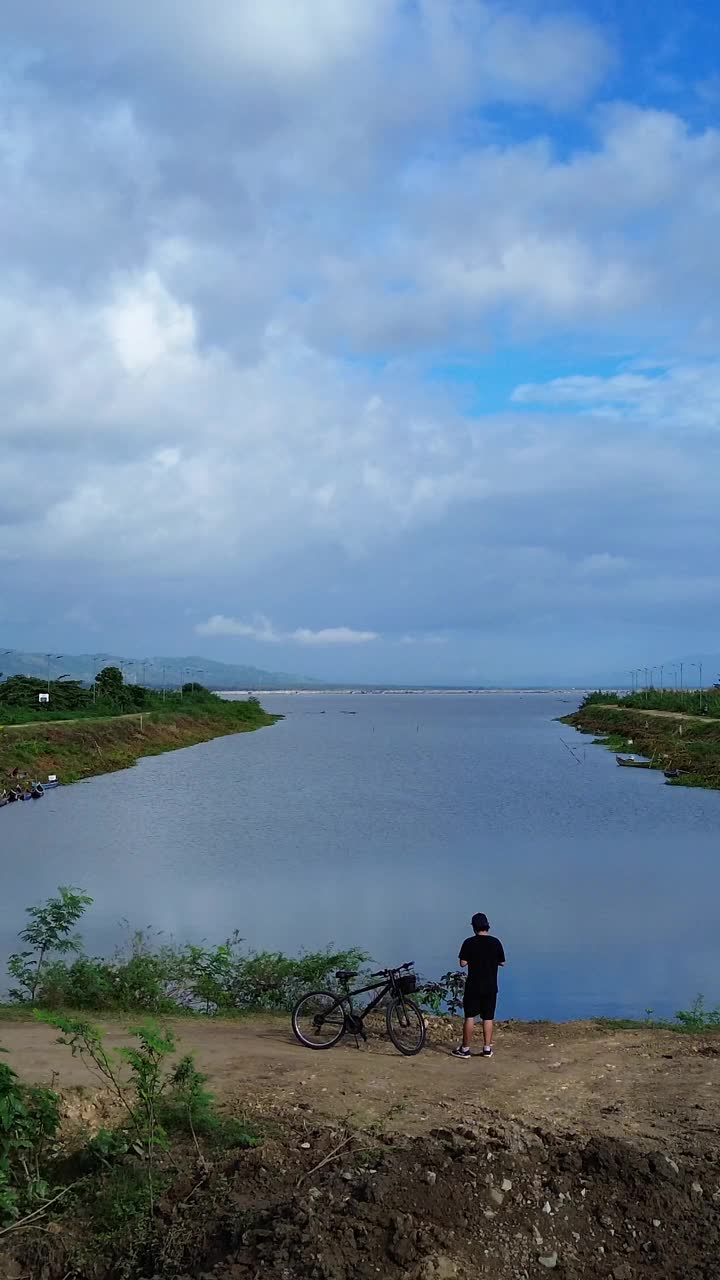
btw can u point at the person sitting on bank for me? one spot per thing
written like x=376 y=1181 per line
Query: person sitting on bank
x=482 y=956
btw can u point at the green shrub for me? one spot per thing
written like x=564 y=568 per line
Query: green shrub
x=697 y=1018
x=29 y=1123
x=188 y=1107
x=159 y=977
x=49 y=931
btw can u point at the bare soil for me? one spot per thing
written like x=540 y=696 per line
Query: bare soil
x=575 y=1150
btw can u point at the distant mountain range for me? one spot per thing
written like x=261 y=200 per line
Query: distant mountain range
x=152 y=671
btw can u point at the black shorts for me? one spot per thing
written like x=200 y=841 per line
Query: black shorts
x=480 y=1004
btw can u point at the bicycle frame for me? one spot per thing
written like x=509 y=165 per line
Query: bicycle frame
x=387 y=987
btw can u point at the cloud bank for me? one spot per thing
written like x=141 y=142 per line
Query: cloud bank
x=399 y=314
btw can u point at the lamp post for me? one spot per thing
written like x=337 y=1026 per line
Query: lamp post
x=96 y=657
x=699 y=667
x=51 y=657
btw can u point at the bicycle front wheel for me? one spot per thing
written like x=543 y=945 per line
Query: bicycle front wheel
x=318 y=1020
x=405 y=1026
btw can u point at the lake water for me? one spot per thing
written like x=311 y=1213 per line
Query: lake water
x=387 y=829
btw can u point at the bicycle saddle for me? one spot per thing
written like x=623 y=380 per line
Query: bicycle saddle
x=344 y=975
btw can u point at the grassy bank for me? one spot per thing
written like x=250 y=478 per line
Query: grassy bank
x=85 y=747
x=672 y=740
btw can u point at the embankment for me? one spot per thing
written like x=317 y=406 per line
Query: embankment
x=671 y=741
x=84 y=748
x=575 y=1151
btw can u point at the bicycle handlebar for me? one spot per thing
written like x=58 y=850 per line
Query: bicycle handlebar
x=384 y=973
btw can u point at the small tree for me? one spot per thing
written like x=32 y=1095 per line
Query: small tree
x=110 y=684
x=49 y=930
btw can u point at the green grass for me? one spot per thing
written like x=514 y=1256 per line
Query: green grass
x=692 y=702
x=88 y=747
x=697 y=1020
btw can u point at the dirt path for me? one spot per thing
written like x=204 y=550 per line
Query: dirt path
x=668 y=715
x=575 y=1150
x=92 y=720
x=654 y=1089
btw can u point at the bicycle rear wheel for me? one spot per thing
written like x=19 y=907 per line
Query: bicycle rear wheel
x=318 y=1020
x=405 y=1026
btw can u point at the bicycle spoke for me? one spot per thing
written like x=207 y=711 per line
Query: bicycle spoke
x=406 y=1026
x=319 y=1020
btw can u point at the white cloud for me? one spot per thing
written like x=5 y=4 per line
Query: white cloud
x=332 y=635
x=246 y=213
x=263 y=630
x=218 y=625
x=424 y=639
x=685 y=395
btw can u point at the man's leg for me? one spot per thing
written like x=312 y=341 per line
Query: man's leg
x=487 y=1033
x=468 y=1030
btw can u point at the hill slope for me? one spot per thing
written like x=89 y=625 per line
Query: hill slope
x=154 y=671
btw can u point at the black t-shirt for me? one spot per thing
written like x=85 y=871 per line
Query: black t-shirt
x=483 y=954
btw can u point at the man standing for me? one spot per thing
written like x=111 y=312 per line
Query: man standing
x=482 y=955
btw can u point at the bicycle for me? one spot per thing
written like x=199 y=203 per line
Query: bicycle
x=320 y=1019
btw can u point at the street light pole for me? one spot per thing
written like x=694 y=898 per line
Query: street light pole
x=97 y=657
x=51 y=657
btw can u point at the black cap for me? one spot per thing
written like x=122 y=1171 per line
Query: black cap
x=480 y=922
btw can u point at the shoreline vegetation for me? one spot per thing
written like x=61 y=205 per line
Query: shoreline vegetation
x=155 y=976
x=83 y=732
x=675 y=730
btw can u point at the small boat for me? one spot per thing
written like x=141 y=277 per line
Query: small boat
x=51 y=782
x=631 y=762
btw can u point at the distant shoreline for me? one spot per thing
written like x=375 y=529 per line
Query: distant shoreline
x=389 y=690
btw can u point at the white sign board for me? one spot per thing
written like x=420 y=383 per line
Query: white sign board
x=43 y=697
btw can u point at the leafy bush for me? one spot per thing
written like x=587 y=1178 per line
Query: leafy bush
x=29 y=1123
x=445 y=995
x=141 y=1095
x=188 y=1107
x=697 y=1018
x=49 y=931
x=158 y=977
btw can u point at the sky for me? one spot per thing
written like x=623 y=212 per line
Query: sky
x=371 y=341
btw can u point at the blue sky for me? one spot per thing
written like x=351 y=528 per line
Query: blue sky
x=372 y=341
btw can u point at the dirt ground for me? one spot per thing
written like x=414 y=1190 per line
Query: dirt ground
x=575 y=1150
